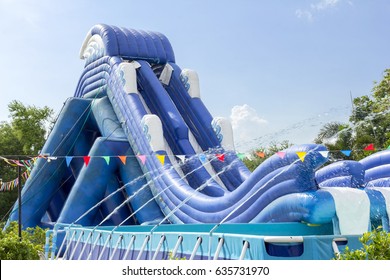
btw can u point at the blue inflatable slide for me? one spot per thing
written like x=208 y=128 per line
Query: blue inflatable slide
x=135 y=154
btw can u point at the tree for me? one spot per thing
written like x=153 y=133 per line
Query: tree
x=368 y=123
x=336 y=136
x=255 y=160
x=23 y=135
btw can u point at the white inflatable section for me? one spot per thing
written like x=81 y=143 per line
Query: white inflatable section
x=352 y=209
x=153 y=130
x=166 y=74
x=92 y=46
x=206 y=165
x=191 y=79
x=85 y=44
x=224 y=131
x=173 y=160
x=130 y=76
x=152 y=124
x=386 y=194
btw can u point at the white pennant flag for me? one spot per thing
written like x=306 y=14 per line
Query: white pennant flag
x=325 y=154
x=181 y=157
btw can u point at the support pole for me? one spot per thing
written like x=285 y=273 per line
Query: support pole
x=19 y=202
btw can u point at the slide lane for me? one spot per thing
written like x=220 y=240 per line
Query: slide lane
x=201 y=207
x=199 y=120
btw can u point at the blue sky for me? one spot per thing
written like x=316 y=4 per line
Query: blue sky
x=279 y=69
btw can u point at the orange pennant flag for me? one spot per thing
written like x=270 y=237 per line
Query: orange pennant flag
x=260 y=154
x=86 y=160
x=123 y=159
x=301 y=155
x=161 y=158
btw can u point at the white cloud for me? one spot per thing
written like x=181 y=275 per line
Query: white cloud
x=247 y=124
x=318 y=7
x=324 y=4
x=304 y=14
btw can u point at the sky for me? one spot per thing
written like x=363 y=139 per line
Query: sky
x=279 y=70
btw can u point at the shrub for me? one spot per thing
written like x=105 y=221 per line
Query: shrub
x=29 y=248
x=376 y=246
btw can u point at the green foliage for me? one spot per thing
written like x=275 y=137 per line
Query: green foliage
x=368 y=123
x=376 y=246
x=253 y=162
x=29 y=248
x=24 y=134
x=29 y=125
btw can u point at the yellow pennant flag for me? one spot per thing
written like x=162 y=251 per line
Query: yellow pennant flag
x=301 y=155
x=161 y=158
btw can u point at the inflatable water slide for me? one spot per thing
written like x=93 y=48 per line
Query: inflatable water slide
x=137 y=168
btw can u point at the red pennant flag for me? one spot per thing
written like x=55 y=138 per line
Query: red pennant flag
x=370 y=147
x=221 y=157
x=260 y=154
x=123 y=159
x=86 y=160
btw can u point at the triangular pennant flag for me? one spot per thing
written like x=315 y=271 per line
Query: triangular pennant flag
x=221 y=157
x=346 y=152
x=281 y=154
x=123 y=159
x=86 y=160
x=241 y=156
x=325 y=154
x=27 y=164
x=107 y=159
x=260 y=154
x=161 y=158
x=17 y=163
x=370 y=147
x=202 y=158
x=68 y=160
x=181 y=157
x=7 y=161
x=142 y=158
x=301 y=155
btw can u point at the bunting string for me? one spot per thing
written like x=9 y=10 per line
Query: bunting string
x=9 y=186
x=203 y=157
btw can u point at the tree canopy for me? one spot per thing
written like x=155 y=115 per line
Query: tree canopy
x=368 y=123
x=23 y=135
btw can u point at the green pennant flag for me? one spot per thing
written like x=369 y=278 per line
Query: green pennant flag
x=241 y=156
x=107 y=159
